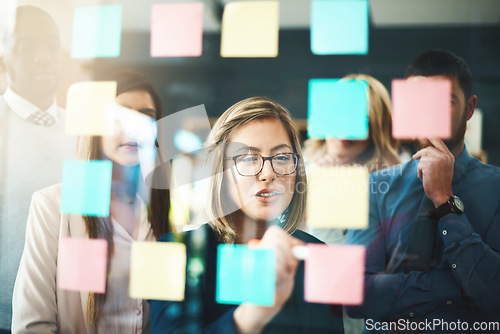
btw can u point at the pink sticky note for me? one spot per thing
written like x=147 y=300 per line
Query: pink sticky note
x=81 y=264
x=177 y=30
x=421 y=108
x=334 y=274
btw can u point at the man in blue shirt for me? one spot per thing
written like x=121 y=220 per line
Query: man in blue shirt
x=460 y=286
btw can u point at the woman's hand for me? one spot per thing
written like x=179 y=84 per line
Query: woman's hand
x=250 y=318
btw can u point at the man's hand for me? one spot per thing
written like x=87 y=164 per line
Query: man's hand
x=436 y=171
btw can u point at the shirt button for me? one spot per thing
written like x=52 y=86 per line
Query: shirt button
x=454 y=266
x=445 y=232
x=138 y=312
x=411 y=314
x=448 y=302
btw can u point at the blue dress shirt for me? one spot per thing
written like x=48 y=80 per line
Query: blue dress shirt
x=464 y=282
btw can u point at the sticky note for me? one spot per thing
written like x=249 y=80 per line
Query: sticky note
x=245 y=275
x=421 y=108
x=82 y=264
x=250 y=29
x=86 y=107
x=97 y=31
x=158 y=270
x=177 y=30
x=334 y=274
x=339 y=27
x=86 y=187
x=337 y=197
x=338 y=109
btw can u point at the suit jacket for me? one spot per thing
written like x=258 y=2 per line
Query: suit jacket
x=39 y=306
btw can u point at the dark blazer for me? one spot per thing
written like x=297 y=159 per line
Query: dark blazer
x=200 y=313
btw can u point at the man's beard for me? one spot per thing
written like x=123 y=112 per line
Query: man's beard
x=456 y=138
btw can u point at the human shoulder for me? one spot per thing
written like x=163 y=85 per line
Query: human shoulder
x=306 y=237
x=187 y=236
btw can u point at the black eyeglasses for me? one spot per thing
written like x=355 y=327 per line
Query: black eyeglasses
x=252 y=164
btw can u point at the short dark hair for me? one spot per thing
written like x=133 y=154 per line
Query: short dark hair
x=445 y=63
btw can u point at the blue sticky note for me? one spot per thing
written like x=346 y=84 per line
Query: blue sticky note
x=86 y=187
x=339 y=27
x=97 y=31
x=338 y=109
x=245 y=275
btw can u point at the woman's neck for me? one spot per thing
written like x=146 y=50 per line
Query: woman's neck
x=124 y=184
x=247 y=228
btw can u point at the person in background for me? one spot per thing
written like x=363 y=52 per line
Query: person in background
x=433 y=240
x=255 y=155
x=38 y=304
x=377 y=152
x=32 y=140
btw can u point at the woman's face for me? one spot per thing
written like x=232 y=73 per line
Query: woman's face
x=344 y=152
x=122 y=148
x=265 y=196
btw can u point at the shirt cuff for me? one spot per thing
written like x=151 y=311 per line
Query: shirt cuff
x=454 y=228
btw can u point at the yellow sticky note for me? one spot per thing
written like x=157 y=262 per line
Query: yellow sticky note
x=337 y=197
x=158 y=270
x=86 y=105
x=250 y=29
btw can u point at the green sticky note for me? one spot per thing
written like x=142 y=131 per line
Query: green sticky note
x=245 y=275
x=339 y=27
x=97 y=31
x=338 y=109
x=86 y=187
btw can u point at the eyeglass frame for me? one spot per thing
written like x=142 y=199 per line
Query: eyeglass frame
x=264 y=159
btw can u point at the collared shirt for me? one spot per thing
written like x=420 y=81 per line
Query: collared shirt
x=464 y=282
x=23 y=108
x=121 y=313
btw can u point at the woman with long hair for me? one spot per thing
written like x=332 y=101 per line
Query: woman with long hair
x=39 y=305
x=257 y=191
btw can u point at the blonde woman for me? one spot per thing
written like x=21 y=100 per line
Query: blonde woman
x=39 y=306
x=257 y=192
x=378 y=151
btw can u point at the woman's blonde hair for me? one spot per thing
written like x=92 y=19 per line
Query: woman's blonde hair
x=382 y=151
x=232 y=119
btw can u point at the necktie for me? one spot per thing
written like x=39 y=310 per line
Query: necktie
x=421 y=242
x=42 y=118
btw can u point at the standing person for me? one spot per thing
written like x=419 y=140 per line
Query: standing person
x=38 y=304
x=377 y=152
x=32 y=140
x=255 y=155
x=433 y=240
